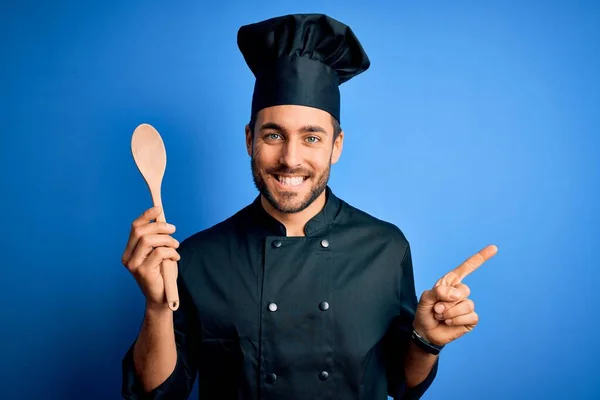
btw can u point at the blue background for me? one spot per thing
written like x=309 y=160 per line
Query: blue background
x=477 y=123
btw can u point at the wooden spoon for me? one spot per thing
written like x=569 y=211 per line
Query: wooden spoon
x=151 y=159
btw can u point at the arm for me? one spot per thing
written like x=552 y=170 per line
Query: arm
x=418 y=365
x=155 y=354
x=161 y=364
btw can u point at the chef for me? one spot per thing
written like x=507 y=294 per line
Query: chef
x=298 y=295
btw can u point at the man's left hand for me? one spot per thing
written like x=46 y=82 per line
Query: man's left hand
x=445 y=312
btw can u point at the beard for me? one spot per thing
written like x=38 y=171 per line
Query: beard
x=289 y=202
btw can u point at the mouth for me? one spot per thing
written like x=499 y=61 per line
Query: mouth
x=288 y=181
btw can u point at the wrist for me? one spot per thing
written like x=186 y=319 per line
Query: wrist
x=425 y=344
x=157 y=311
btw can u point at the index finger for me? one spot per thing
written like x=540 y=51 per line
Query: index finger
x=456 y=276
x=146 y=217
x=475 y=261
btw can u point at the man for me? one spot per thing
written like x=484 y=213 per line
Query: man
x=298 y=295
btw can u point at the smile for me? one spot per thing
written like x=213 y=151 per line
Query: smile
x=290 y=181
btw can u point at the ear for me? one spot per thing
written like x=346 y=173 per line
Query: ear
x=249 y=140
x=338 y=144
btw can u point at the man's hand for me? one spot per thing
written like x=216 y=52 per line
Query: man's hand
x=445 y=312
x=148 y=246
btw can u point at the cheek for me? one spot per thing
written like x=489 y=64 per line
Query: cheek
x=264 y=159
x=259 y=153
x=320 y=162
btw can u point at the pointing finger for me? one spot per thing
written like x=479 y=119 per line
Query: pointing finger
x=475 y=261
x=455 y=276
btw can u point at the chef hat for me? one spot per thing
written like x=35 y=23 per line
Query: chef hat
x=301 y=59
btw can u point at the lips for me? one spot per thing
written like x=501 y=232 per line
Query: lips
x=290 y=181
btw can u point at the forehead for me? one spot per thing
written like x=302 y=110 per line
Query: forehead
x=294 y=117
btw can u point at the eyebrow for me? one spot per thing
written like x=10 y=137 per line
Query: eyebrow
x=305 y=128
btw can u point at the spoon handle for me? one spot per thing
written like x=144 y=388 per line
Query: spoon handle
x=168 y=267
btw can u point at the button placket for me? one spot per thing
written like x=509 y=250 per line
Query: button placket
x=291 y=252
x=324 y=306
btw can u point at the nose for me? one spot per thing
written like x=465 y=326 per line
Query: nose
x=291 y=154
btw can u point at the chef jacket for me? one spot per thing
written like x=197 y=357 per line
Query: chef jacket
x=265 y=316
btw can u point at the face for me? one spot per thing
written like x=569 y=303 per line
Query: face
x=291 y=152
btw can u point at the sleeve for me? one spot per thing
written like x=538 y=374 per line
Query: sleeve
x=399 y=337
x=179 y=384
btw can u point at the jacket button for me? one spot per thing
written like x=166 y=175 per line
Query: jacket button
x=271 y=378
x=324 y=375
x=272 y=307
x=325 y=243
x=276 y=243
x=324 y=305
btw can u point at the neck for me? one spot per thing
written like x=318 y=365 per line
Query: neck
x=295 y=222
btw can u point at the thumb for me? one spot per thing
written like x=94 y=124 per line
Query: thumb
x=429 y=298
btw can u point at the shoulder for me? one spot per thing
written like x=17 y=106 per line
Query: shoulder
x=360 y=221
x=216 y=235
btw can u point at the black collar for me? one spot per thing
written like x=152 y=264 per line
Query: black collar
x=272 y=227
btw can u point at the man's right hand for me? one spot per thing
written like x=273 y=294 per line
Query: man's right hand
x=149 y=244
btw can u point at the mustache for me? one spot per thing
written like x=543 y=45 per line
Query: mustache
x=288 y=171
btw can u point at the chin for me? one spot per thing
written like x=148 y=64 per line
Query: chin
x=289 y=208
x=288 y=201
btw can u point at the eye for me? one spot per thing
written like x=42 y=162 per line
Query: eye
x=272 y=136
x=312 y=139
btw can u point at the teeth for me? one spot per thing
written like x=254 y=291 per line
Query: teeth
x=291 y=181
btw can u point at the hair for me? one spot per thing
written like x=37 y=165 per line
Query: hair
x=337 y=129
